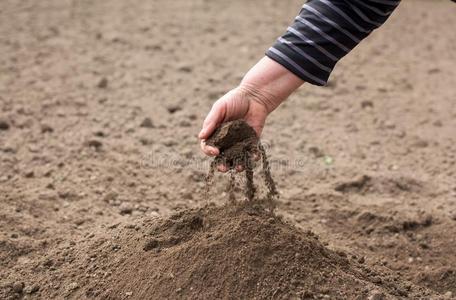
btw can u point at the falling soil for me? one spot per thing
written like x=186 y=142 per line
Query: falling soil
x=238 y=143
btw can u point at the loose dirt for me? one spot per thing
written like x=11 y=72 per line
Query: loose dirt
x=238 y=144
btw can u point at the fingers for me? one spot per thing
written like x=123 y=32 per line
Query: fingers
x=213 y=119
x=222 y=168
x=209 y=150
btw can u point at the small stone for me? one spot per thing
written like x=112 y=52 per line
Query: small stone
x=46 y=128
x=32 y=289
x=151 y=244
x=111 y=196
x=103 y=83
x=73 y=286
x=94 y=144
x=146 y=141
x=185 y=69
x=316 y=152
x=4 y=125
x=448 y=295
x=367 y=104
x=147 y=123
x=173 y=108
x=125 y=208
x=29 y=174
x=128 y=294
x=376 y=295
x=18 y=287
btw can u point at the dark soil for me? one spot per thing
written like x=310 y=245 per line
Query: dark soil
x=237 y=143
x=236 y=252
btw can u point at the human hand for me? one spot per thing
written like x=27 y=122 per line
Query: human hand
x=243 y=102
x=261 y=91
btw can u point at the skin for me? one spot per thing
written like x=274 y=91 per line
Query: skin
x=260 y=92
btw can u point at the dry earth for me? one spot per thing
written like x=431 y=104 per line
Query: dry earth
x=101 y=101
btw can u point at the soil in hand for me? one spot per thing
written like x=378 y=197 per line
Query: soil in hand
x=238 y=143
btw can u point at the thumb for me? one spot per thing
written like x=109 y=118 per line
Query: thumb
x=213 y=119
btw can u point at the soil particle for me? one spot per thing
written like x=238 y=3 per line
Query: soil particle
x=18 y=287
x=147 y=123
x=4 y=125
x=32 y=289
x=125 y=208
x=103 y=83
x=96 y=144
x=46 y=128
x=173 y=108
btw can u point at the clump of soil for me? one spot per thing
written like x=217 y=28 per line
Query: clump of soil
x=238 y=143
x=236 y=252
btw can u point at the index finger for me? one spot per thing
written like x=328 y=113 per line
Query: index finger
x=209 y=150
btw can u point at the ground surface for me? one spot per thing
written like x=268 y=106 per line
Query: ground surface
x=100 y=104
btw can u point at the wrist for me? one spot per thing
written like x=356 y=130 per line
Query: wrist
x=270 y=83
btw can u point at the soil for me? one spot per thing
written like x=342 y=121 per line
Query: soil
x=238 y=143
x=100 y=104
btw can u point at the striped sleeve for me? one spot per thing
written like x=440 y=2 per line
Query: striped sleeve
x=324 y=32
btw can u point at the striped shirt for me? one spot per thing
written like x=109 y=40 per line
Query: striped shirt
x=324 y=32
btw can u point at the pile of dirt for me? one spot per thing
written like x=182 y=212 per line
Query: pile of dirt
x=237 y=252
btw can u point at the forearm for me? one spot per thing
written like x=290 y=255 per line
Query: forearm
x=270 y=83
x=324 y=32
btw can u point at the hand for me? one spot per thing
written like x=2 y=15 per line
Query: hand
x=243 y=102
x=263 y=88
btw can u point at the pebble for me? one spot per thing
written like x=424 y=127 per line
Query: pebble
x=185 y=69
x=146 y=141
x=103 y=83
x=29 y=174
x=448 y=295
x=173 y=108
x=367 y=104
x=18 y=287
x=4 y=125
x=94 y=144
x=73 y=286
x=32 y=289
x=376 y=295
x=128 y=294
x=46 y=128
x=125 y=208
x=147 y=123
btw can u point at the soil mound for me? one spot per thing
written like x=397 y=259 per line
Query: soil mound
x=236 y=252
